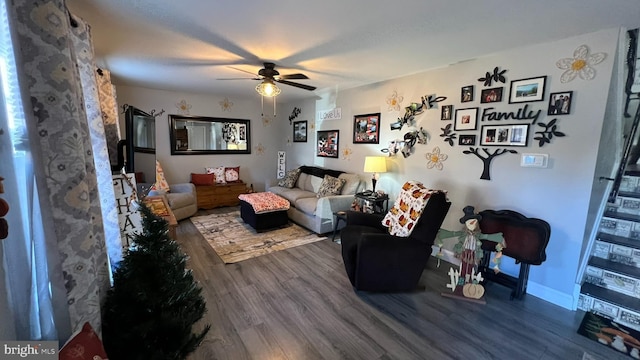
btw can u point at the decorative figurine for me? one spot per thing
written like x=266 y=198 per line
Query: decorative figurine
x=465 y=282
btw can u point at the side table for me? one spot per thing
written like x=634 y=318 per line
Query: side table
x=340 y=215
x=379 y=203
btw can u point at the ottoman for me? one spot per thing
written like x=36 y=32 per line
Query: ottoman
x=263 y=210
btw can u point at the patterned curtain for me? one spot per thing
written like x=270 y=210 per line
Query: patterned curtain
x=100 y=106
x=109 y=107
x=60 y=142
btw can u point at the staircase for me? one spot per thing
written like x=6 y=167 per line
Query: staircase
x=611 y=284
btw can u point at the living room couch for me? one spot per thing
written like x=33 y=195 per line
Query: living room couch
x=313 y=212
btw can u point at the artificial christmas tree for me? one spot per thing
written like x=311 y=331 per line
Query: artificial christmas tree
x=154 y=302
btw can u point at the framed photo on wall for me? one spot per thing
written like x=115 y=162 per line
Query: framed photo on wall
x=560 y=103
x=300 y=131
x=466 y=119
x=466 y=93
x=504 y=135
x=366 y=129
x=527 y=90
x=469 y=140
x=491 y=95
x=447 y=112
x=327 y=143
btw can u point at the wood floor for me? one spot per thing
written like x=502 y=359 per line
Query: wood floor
x=299 y=304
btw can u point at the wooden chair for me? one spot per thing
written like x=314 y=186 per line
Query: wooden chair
x=526 y=239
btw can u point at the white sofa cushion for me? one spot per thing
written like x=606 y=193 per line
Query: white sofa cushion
x=352 y=182
x=307 y=205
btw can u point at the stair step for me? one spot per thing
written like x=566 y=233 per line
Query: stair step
x=629 y=194
x=621 y=215
x=610 y=296
x=632 y=170
x=615 y=267
x=621 y=315
x=618 y=240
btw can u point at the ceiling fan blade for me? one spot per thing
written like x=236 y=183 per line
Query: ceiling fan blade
x=239 y=79
x=293 y=77
x=302 y=86
x=245 y=71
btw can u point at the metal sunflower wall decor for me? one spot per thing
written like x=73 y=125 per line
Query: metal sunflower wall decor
x=435 y=159
x=580 y=65
x=394 y=101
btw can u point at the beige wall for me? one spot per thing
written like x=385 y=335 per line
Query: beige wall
x=255 y=168
x=559 y=194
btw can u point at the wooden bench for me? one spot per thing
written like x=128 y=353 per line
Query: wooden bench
x=526 y=239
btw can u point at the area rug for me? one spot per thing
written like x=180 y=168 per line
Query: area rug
x=611 y=334
x=234 y=241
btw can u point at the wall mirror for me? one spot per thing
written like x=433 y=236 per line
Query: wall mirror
x=195 y=135
x=140 y=133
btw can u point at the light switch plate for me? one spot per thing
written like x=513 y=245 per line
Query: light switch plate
x=534 y=160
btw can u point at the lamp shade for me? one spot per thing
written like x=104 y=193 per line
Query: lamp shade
x=268 y=88
x=375 y=164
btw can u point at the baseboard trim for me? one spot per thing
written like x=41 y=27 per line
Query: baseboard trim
x=567 y=301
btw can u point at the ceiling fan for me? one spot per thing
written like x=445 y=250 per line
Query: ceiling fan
x=269 y=75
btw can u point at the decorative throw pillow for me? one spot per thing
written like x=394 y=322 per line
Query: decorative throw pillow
x=406 y=211
x=232 y=174
x=290 y=178
x=330 y=186
x=84 y=345
x=218 y=172
x=161 y=185
x=203 y=179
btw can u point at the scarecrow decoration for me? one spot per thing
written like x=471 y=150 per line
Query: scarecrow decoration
x=466 y=281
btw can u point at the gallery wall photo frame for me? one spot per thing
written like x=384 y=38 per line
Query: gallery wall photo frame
x=366 y=129
x=504 y=135
x=447 y=112
x=527 y=90
x=327 y=143
x=466 y=93
x=491 y=95
x=300 y=131
x=467 y=140
x=560 y=103
x=466 y=119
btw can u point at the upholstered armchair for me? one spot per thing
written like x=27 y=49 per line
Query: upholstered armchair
x=377 y=261
x=181 y=199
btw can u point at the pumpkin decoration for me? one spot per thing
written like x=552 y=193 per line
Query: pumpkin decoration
x=473 y=291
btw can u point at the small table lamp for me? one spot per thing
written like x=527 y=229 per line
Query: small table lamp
x=375 y=165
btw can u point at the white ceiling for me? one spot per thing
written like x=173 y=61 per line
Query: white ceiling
x=186 y=45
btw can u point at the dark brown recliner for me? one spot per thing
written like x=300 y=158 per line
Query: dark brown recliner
x=526 y=239
x=377 y=261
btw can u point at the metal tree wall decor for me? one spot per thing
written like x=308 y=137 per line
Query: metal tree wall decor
x=548 y=132
x=486 y=175
x=448 y=135
x=496 y=76
x=294 y=114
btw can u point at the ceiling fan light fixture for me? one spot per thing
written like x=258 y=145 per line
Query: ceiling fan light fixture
x=268 y=89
